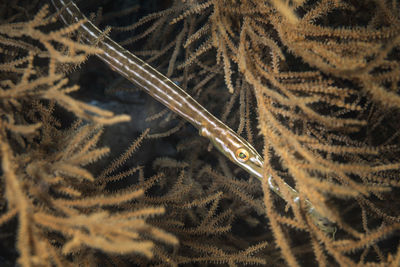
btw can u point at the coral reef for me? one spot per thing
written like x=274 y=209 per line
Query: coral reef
x=313 y=84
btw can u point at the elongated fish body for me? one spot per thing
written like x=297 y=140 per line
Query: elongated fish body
x=164 y=90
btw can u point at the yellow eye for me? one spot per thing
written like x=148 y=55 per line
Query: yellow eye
x=242 y=155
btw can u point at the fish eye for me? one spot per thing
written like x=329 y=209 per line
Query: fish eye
x=242 y=155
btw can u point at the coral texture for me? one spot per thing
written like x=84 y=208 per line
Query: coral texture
x=313 y=84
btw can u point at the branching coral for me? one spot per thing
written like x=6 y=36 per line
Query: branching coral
x=325 y=77
x=66 y=214
x=44 y=182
